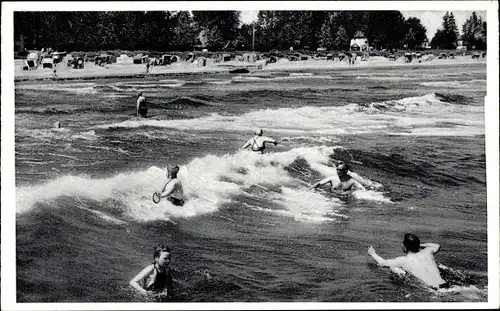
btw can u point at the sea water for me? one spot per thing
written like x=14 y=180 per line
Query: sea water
x=251 y=229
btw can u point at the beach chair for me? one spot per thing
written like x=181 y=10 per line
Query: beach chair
x=47 y=62
x=408 y=57
x=138 y=59
x=58 y=57
x=78 y=63
x=166 y=59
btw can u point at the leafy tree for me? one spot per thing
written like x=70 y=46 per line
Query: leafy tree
x=415 y=33
x=327 y=34
x=183 y=31
x=447 y=36
x=342 y=40
x=385 y=29
x=246 y=35
x=474 y=31
x=439 y=39
x=451 y=31
x=218 y=26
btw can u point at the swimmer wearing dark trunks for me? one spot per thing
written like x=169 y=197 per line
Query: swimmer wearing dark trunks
x=173 y=190
x=142 y=107
x=258 y=142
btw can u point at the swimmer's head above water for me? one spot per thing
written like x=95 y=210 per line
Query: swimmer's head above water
x=162 y=255
x=411 y=243
x=172 y=171
x=139 y=94
x=342 y=169
x=258 y=132
x=57 y=125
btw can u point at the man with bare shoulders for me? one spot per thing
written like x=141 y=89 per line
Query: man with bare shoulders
x=258 y=142
x=344 y=184
x=173 y=190
x=419 y=261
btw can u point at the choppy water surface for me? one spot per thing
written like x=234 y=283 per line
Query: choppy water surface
x=251 y=229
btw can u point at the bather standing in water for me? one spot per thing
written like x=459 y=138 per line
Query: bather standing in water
x=142 y=107
x=258 y=142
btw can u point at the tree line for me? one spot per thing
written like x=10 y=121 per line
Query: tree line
x=184 y=30
x=473 y=32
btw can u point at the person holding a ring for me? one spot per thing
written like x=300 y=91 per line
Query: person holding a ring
x=173 y=190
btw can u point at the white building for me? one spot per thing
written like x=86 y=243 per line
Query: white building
x=359 y=42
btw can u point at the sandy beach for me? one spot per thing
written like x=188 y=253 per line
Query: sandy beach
x=92 y=71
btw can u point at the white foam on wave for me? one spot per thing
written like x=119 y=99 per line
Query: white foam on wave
x=449 y=84
x=248 y=78
x=209 y=183
x=319 y=162
x=370 y=195
x=318 y=139
x=217 y=81
x=291 y=77
x=45 y=134
x=386 y=78
x=78 y=88
x=87 y=135
x=406 y=115
x=305 y=205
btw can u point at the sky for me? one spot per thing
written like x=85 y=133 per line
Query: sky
x=431 y=20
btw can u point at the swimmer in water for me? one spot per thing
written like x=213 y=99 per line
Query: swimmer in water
x=155 y=279
x=419 y=261
x=346 y=184
x=142 y=107
x=173 y=189
x=258 y=142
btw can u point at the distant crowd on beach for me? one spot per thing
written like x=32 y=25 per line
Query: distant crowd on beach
x=48 y=58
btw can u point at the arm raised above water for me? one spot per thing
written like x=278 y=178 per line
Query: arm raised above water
x=434 y=247
x=269 y=140
x=395 y=262
x=247 y=144
x=323 y=182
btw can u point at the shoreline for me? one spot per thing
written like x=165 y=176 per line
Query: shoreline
x=92 y=72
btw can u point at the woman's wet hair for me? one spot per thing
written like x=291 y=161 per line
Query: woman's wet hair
x=411 y=242
x=159 y=249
